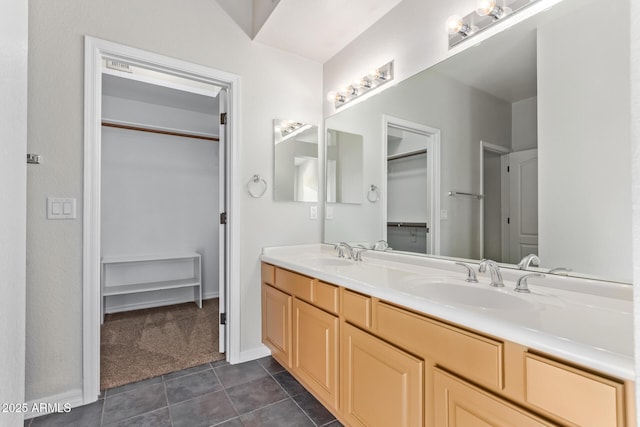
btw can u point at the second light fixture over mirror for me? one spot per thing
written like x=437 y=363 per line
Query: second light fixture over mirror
x=295 y=161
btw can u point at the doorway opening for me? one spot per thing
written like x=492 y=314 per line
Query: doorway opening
x=411 y=186
x=509 y=206
x=157 y=196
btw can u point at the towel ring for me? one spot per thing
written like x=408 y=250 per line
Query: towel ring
x=373 y=195
x=256 y=186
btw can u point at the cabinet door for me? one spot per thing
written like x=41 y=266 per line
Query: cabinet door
x=276 y=323
x=315 y=354
x=382 y=385
x=459 y=404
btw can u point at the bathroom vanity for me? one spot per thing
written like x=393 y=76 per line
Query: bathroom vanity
x=397 y=340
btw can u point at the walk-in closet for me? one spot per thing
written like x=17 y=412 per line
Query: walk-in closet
x=408 y=198
x=160 y=195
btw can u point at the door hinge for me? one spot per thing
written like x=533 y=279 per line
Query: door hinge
x=223 y=218
x=223 y=118
x=508 y=220
x=223 y=318
x=508 y=169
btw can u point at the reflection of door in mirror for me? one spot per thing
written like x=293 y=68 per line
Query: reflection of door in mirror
x=523 y=204
x=509 y=214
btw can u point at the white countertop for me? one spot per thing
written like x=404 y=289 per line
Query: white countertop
x=584 y=321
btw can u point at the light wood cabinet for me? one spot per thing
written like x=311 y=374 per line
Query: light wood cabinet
x=460 y=404
x=276 y=323
x=315 y=350
x=374 y=363
x=381 y=384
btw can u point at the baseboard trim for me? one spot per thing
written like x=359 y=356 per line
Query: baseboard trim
x=252 y=354
x=211 y=295
x=56 y=402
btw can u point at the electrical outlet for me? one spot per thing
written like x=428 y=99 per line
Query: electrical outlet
x=313 y=212
x=329 y=212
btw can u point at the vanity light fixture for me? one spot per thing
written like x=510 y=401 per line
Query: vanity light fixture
x=455 y=25
x=374 y=79
x=490 y=8
x=487 y=13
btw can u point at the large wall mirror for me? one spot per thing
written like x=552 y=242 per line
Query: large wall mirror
x=533 y=131
x=295 y=161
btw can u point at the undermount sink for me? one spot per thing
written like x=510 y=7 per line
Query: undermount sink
x=329 y=261
x=470 y=295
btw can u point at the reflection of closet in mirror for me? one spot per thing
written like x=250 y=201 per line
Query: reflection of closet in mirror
x=409 y=187
x=295 y=161
x=407 y=228
x=344 y=167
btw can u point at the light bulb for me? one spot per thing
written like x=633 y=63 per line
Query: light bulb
x=455 y=25
x=332 y=96
x=489 y=8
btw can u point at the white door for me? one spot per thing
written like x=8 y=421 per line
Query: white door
x=223 y=281
x=523 y=204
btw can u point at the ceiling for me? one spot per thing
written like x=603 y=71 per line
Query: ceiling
x=318 y=29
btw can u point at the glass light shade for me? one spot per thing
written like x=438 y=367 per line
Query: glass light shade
x=485 y=7
x=454 y=24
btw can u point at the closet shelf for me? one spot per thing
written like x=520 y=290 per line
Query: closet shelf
x=112 y=287
x=161 y=131
x=407 y=154
x=133 y=288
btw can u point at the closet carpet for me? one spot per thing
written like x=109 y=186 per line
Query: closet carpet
x=141 y=344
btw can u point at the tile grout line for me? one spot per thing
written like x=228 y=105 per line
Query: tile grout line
x=287 y=393
x=166 y=396
x=224 y=389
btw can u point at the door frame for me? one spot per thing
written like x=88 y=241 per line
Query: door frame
x=433 y=165
x=504 y=199
x=94 y=51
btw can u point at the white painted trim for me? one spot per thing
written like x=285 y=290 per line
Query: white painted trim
x=253 y=354
x=433 y=162
x=95 y=50
x=484 y=145
x=72 y=397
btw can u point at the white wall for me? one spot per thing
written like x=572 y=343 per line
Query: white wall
x=635 y=167
x=524 y=124
x=431 y=100
x=159 y=195
x=273 y=84
x=13 y=149
x=585 y=174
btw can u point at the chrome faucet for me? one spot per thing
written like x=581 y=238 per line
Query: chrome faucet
x=494 y=270
x=343 y=247
x=528 y=260
x=521 y=284
x=381 y=245
x=471 y=274
x=357 y=253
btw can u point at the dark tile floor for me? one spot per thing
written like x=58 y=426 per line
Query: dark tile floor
x=252 y=394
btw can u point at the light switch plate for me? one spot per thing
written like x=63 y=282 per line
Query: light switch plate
x=313 y=212
x=61 y=208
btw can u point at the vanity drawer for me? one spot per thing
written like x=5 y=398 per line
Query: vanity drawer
x=576 y=396
x=356 y=308
x=325 y=296
x=293 y=283
x=473 y=356
x=268 y=273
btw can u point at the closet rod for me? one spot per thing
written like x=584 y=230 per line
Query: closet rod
x=407 y=224
x=409 y=154
x=162 y=132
